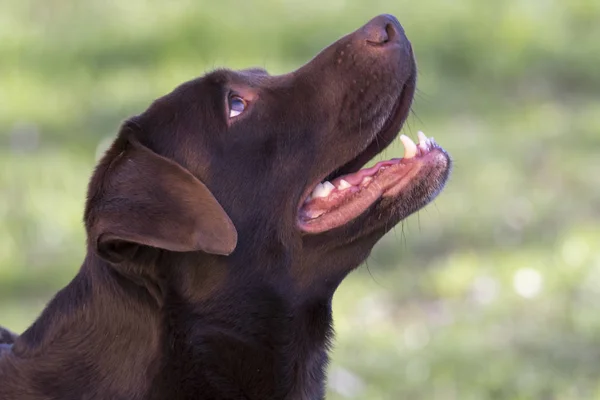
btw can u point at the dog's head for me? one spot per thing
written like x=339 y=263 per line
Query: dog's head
x=266 y=168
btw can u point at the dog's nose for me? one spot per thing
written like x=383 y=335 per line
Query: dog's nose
x=383 y=30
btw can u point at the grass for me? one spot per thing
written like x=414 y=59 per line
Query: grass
x=489 y=293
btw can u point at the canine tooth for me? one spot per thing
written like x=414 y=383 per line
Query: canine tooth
x=366 y=180
x=323 y=189
x=410 y=148
x=423 y=141
x=344 y=185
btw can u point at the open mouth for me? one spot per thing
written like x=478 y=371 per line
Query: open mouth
x=335 y=202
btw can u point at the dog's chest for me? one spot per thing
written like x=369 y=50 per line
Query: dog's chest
x=221 y=367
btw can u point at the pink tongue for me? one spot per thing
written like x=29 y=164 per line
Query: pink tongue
x=356 y=178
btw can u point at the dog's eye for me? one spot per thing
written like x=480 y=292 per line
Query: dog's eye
x=237 y=105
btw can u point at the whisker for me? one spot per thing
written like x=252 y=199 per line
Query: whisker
x=404 y=237
x=414 y=114
x=371 y=274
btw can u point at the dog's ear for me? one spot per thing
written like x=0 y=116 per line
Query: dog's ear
x=137 y=197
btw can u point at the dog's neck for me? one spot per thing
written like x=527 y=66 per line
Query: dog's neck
x=247 y=329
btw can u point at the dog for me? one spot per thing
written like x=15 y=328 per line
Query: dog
x=220 y=223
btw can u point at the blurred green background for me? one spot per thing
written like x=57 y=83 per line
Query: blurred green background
x=492 y=292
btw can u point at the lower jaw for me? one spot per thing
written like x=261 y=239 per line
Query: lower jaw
x=358 y=203
x=389 y=182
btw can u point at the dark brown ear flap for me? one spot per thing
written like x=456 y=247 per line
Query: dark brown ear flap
x=137 y=197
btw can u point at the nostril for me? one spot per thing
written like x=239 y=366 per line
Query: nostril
x=378 y=37
x=390 y=31
x=382 y=34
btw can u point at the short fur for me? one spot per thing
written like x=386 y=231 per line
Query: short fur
x=197 y=283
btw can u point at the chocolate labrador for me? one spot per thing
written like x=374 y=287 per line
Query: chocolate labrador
x=220 y=223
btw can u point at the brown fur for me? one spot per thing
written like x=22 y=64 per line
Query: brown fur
x=197 y=283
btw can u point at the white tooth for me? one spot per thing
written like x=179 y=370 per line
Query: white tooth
x=423 y=141
x=323 y=189
x=410 y=148
x=344 y=185
x=366 y=180
x=315 y=191
x=329 y=186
